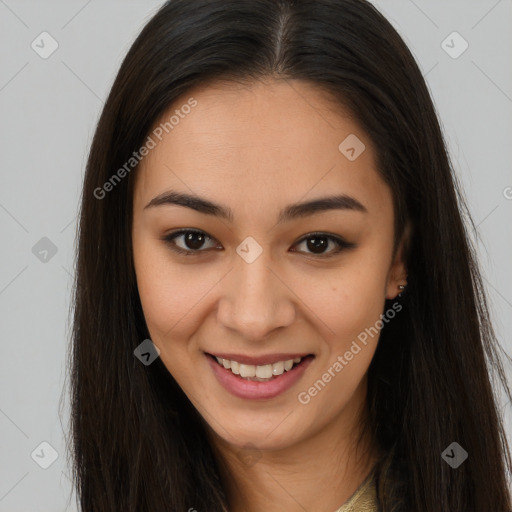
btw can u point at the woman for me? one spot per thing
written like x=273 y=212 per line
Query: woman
x=277 y=304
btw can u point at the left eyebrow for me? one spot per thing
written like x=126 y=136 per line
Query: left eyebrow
x=290 y=212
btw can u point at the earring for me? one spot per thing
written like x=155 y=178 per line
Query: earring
x=402 y=288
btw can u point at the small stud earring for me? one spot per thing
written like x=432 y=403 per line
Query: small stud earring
x=402 y=288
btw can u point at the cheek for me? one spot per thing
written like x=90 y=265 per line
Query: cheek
x=348 y=311
x=166 y=294
x=172 y=298
x=345 y=301
x=166 y=302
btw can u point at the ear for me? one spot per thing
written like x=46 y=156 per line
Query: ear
x=397 y=274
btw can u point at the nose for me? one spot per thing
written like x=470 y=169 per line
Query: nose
x=256 y=300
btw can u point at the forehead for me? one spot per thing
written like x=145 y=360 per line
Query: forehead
x=277 y=140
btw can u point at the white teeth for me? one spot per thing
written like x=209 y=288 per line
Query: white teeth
x=264 y=372
x=288 y=364
x=235 y=367
x=261 y=372
x=247 y=370
x=278 y=368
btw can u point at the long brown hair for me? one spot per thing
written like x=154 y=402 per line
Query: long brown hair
x=138 y=444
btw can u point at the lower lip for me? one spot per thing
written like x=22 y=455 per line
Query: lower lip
x=254 y=390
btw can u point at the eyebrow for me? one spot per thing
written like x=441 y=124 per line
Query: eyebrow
x=290 y=212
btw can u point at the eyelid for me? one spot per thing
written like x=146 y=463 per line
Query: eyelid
x=340 y=242
x=175 y=234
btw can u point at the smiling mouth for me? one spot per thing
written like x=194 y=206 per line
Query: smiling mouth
x=260 y=373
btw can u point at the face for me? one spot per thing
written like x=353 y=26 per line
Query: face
x=283 y=251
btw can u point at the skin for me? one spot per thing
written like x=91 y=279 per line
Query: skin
x=256 y=149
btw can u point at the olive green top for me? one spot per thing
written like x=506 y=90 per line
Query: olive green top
x=364 y=498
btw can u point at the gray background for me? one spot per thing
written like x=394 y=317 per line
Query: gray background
x=49 y=108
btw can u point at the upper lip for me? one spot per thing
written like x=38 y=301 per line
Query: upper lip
x=258 y=360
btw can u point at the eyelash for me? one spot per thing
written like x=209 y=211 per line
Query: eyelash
x=340 y=243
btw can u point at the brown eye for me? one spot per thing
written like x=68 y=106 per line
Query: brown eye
x=192 y=241
x=318 y=243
